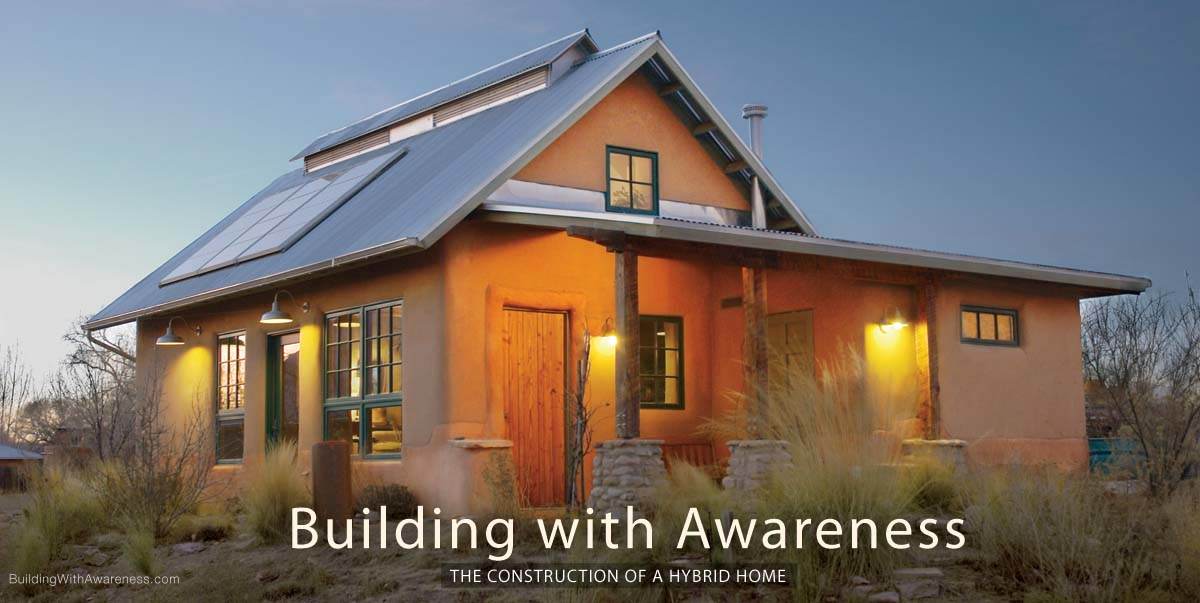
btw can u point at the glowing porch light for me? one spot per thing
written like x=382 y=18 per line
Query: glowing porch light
x=892 y=321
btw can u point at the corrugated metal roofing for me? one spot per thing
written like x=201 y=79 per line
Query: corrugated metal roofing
x=446 y=174
x=534 y=59
x=8 y=453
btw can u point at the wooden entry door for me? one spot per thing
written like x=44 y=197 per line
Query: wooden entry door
x=535 y=353
x=790 y=335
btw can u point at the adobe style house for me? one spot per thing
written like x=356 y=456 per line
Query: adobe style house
x=422 y=285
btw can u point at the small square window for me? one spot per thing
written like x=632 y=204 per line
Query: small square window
x=989 y=326
x=632 y=181
x=342 y=424
x=386 y=430
x=231 y=435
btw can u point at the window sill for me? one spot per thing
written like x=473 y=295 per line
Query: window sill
x=229 y=462
x=662 y=406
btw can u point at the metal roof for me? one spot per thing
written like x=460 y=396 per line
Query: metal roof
x=534 y=59
x=774 y=240
x=9 y=453
x=450 y=170
x=447 y=172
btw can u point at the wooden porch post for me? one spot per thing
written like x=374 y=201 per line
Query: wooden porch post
x=927 y=358
x=628 y=387
x=754 y=345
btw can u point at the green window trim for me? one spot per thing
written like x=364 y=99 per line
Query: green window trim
x=653 y=321
x=230 y=395
x=630 y=180
x=357 y=400
x=229 y=418
x=984 y=325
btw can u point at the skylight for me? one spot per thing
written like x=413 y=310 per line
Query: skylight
x=279 y=219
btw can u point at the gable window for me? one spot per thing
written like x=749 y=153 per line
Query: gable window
x=989 y=326
x=363 y=378
x=660 y=361
x=632 y=181
x=231 y=396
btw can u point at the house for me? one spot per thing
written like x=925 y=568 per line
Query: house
x=421 y=287
x=14 y=462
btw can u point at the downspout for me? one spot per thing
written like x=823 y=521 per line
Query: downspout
x=758 y=211
x=110 y=347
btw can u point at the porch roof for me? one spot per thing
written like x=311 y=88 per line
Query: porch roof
x=1096 y=283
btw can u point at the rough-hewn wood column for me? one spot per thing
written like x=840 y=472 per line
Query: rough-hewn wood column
x=754 y=345
x=927 y=358
x=628 y=390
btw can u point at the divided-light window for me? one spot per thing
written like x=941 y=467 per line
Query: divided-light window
x=363 y=378
x=660 y=361
x=231 y=396
x=632 y=181
x=989 y=326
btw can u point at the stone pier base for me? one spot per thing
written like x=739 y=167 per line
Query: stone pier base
x=953 y=453
x=750 y=461
x=625 y=473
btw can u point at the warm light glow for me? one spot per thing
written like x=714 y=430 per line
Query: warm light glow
x=276 y=321
x=892 y=321
x=608 y=340
x=162 y=342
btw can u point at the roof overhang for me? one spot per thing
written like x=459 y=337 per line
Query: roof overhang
x=347 y=261
x=1101 y=283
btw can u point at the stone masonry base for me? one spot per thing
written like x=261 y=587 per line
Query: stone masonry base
x=625 y=473
x=750 y=461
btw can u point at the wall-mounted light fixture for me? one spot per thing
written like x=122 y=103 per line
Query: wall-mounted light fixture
x=893 y=320
x=608 y=333
x=169 y=338
x=275 y=316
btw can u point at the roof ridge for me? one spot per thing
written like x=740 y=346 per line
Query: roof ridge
x=582 y=34
x=656 y=34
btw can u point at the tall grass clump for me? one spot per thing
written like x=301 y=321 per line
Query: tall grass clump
x=1065 y=536
x=138 y=548
x=61 y=510
x=841 y=434
x=275 y=489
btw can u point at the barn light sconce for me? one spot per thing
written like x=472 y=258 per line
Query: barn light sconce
x=169 y=338
x=608 y=334
x=276 y=316
x=893 y=320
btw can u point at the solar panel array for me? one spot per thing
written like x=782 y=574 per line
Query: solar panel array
x=279 y=219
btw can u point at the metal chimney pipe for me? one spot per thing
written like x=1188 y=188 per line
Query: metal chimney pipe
x=758 y=210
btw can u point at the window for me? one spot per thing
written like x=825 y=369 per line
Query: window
x=632 y=181
x=231 y=396
x=989 y=326
x=660 y=361
x=364 y=378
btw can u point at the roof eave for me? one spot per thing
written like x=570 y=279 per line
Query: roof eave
x=1102 y=283
x=396 y=248
x=756 y=165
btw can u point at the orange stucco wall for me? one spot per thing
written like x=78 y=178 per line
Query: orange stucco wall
x=1014 y=404
x=187 y=374
x=634 y=116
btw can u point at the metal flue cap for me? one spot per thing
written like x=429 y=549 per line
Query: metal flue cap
x=749 y=111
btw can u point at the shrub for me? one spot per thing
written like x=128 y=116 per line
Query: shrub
x=198 y=527
x=931 y=485
x=138 y=548
x=399 y=500
x=1067 y=537
x=60 y=510
x=273 y=492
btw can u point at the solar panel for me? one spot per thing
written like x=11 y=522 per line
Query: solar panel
x=279 y=219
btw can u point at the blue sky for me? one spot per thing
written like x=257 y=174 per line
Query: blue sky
x=1062 y=133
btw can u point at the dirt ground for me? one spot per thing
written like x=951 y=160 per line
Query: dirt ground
x=240 y=569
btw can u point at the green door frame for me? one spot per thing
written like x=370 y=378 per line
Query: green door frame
x=275 y=386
